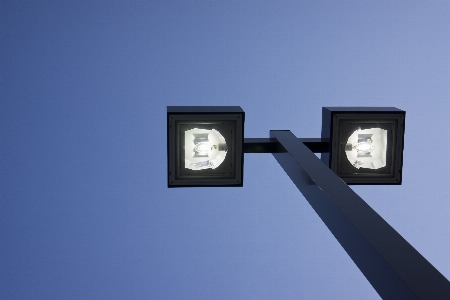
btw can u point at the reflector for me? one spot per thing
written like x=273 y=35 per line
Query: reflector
x=204 y=149
x=366 y=148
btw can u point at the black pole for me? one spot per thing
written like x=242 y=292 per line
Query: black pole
x=394 y=268
x=270 y=145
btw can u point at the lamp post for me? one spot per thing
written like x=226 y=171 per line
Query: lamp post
x=358 y=146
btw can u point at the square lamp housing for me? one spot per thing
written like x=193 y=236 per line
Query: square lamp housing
x=205 y=146
x=366 y=143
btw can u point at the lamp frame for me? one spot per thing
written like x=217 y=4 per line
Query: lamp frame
x=229 y=117
x=333 y=121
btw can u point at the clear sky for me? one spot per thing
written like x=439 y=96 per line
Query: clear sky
x=85 y=212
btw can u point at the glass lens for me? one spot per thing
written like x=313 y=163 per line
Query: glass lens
x=366 y=148
x=204 y=149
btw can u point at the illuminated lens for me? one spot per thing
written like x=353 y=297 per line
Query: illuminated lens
x=204 y=149
x=367 y=148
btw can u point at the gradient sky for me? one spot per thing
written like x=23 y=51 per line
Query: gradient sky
x=85 y=212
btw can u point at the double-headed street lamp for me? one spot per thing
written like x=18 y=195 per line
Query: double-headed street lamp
x=359 y=145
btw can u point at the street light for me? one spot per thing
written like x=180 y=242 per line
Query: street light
x=205 y=146
x=358 y=146
x=366 y=143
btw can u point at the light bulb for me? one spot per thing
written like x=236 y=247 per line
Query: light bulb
x=366 y=148
x=204 y=149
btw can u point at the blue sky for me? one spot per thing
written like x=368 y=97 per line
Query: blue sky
x=85 y=212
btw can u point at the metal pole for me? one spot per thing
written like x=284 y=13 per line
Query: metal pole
x=394 y=268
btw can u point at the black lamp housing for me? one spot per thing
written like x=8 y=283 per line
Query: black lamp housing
x=353 y=132
x=227 y=122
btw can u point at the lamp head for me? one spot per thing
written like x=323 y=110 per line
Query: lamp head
x=205 y=145
x=366 y=143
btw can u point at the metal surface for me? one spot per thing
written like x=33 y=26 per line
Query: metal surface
x=270 y=145
x=394 y=268
x=195 y=110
